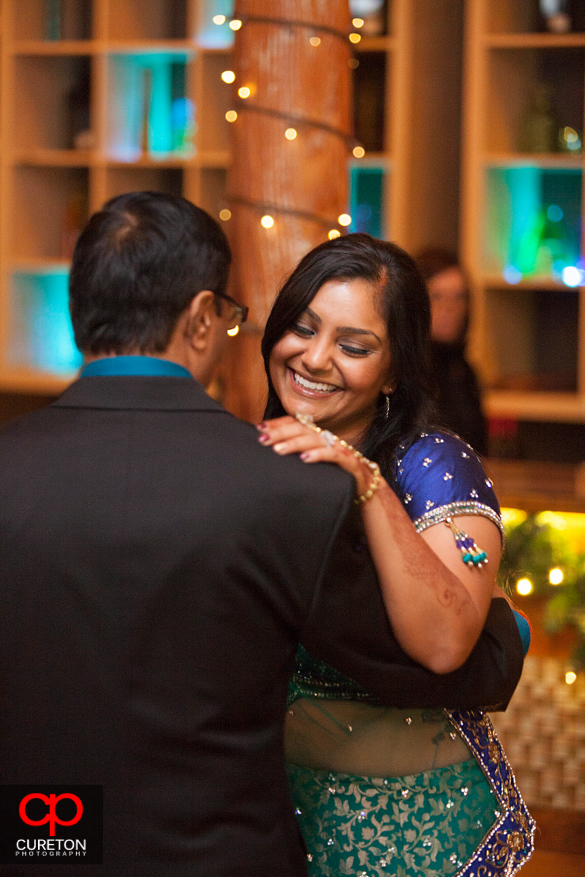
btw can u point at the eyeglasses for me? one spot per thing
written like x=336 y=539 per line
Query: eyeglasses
x=237 y=315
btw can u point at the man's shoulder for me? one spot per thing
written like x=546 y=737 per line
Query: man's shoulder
x=31 y=421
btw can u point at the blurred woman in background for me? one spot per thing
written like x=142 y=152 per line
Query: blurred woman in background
x=459 y=405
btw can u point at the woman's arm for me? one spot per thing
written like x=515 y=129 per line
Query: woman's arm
x=437 y=604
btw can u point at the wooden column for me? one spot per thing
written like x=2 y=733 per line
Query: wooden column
x=293 y=56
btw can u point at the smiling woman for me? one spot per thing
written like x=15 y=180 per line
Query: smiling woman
x=335 y=373
x=415 y=791
x=374 y=290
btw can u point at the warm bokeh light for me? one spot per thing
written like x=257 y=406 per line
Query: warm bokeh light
x=353 y=63
x=231 y=115
x=225 y=214
x=569 y=138
x=555 y=576
x=344 y=219
x=233 y=331
x=235 y=24
x=357 y=22
x=228 y=76
x=290 y=133
x=359 y=151
x=244 y=91
x=570 y=524
x=315 y=41
x=570 y=677
x=334 y=233
x=267 y=221
x=524 y=586
x=355 y=37
x=219 y=19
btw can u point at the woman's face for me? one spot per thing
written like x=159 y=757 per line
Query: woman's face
x=448 y=295
x=335 y=360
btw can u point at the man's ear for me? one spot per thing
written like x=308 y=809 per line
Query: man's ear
x=199 y=319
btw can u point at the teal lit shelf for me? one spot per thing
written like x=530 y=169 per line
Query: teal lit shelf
x=149 y=111
x=533 y=224
x=368 y=196
x=41 y=335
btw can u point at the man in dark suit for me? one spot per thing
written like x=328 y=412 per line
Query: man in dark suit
x=159 y=568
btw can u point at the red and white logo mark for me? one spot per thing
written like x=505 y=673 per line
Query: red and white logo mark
x=51 y=817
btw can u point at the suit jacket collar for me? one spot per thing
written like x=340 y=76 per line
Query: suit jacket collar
x=139 y=393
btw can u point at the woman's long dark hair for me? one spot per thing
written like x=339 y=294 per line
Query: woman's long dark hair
x=404 y=301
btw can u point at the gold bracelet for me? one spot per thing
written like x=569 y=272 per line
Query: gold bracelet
x=307 y=420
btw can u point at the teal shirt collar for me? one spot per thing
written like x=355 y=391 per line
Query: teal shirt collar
x=145 y=366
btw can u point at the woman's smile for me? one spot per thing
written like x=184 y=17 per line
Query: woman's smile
x=335 y=373
x=311 y=386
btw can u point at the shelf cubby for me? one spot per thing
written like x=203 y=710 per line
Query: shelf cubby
x=523 y=16
x=532 y=223
x=534 y=336
x=369 y=181
x=150 y=112
x=53 y=20
x=370 y=123
x=52 y=209
x=518 y=17
x=155 y=20
x=515 y=78
x=41 y=337
x=51 y=105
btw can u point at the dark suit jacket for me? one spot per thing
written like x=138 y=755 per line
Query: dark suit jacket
x=159 y=567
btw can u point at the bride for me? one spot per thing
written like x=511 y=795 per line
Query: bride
x=380 y=790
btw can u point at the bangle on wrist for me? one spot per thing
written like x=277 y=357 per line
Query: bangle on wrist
x=330 y=439
x=376 y=476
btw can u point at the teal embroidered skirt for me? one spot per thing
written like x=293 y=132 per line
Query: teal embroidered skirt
x=429 y=824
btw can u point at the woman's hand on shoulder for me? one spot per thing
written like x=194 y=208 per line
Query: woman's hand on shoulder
x=287 y=435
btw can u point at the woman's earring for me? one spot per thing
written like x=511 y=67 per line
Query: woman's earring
x=387 y=406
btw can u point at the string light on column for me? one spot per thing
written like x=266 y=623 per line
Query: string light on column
x=263 y=209
x=228 y=76
x=294 y=123
x=299 y=121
